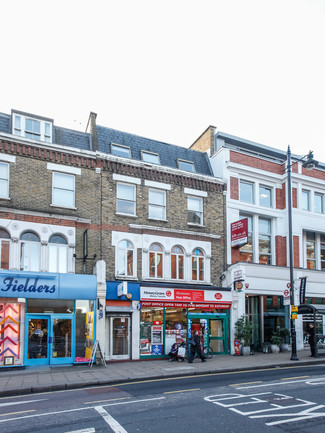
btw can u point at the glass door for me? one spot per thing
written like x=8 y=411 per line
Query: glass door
x=49 y=339
x=37 y=339
x=217 y=333
x=62 y=326
x=120 y=337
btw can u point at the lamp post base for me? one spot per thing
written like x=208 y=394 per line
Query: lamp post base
x=294 y=357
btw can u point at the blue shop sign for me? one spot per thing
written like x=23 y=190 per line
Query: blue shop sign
x=47 y=285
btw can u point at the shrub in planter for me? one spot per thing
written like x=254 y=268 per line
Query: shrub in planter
x=276 y=340
x=285 y=335
x=243 y=333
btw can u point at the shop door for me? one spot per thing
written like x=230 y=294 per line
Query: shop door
x=49 y=339
x=217 y=336
x=120 y=337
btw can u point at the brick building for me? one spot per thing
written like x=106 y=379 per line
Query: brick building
x=256 y=177
x=98 y=230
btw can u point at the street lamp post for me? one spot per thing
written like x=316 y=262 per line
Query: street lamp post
x=309 y=165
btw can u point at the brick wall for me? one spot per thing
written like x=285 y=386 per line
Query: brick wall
x=234 y=188
x=206 y=141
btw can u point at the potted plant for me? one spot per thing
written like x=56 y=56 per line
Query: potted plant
x=285 y=335
x=243 y=333
x=276 y=340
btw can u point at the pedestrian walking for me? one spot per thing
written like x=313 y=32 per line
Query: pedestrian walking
x=195 y=347
x=312 y=342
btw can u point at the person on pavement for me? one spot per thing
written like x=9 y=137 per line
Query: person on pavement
x=195 y=347
x=312 y=342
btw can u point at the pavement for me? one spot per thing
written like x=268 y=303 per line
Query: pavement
x=17 y=381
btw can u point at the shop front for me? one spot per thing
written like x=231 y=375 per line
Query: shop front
x=46 y=318
x=169 y=315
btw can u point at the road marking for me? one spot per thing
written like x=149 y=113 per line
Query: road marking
x=114 y=425
x=79 y=409
x=85 y=430
x=104 y=401
x=270 y=384
x=21 y=402
x=182 y=390
x=298 y=377
x=17 y=413
x=245 y=383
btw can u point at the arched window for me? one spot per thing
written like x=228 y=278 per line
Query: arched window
x=156 y=256
x=125 y=259
x=197 y=265
x=177 y=263
x=29 y=252
x=4 y=249
x=58 y=254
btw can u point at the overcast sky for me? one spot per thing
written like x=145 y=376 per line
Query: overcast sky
x=168 y=69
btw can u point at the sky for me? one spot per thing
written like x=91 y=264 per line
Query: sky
x=168 y=69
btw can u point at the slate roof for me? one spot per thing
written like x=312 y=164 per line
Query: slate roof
x=168 y=153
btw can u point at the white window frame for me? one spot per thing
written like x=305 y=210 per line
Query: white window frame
x=182 y=164
x=23 y=244
x=151 y=157
x=133 y=200
x=6 y=241
x=55 y=201
x=115 y=146
x=198 y=212
x=268 y=235
x=321 y=197
x=305 y=194
x=161 y=206
x=5 y=181
x=46 y=128
x=177 y=255
x=251 y=184
x=58 y=248
x=267 y=188
x=197 y=257
x=156 y=254
x=125 y=258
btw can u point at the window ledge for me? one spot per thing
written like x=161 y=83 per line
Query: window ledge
x=196 y=225
x=5 y=198
x=158 y=219
x=63 y=207
x=126 y=215
x=125 y=278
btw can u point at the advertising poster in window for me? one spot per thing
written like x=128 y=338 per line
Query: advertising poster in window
x=89 y=334
x=239 y=233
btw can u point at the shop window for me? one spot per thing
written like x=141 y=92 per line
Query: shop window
x=84 y=330
x=156 y=256
x=29 y=252
x=322 y=252
x=151 y=331
x=157 y=204
x=195 y=210
x=177 y=263
x=197 y=265
x=63 y=189
x=4 y=180
x=126 y=202
x=246 y=251
x=264 y=241
x=4 y=249
x=125 y=259
x=58 y=254
x=10 y=319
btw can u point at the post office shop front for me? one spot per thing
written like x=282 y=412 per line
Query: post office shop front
x=46 y=318
x=170 y=315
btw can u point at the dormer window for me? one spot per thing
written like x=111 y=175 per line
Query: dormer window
x=32 y=128
x=186 y=165
x=119 y=150
x=152 y=158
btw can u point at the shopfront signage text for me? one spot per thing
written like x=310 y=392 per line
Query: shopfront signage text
x=30 y=285
x=182 y=295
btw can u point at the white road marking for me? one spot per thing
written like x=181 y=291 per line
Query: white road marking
x=79 y=409
x=21 y=402
x=114 y=425
x=85 y=430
